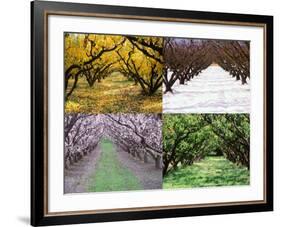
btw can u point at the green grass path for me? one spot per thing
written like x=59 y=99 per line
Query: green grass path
x=110 y=175
x=212 y=171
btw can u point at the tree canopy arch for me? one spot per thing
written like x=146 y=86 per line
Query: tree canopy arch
x=190 y=138
x=186 y=58
x=140 y=135
x=95 y=56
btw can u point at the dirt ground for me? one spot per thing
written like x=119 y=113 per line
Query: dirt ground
x=148 y=175
x=76 y=177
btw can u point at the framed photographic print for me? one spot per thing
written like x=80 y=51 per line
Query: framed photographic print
x=142 y=113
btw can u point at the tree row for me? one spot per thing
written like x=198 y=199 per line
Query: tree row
x=190 y=138
x=186 y=58
x=139 y=135
x=94 y=57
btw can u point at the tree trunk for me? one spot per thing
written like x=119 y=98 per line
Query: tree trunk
x=139 y=156
x=165 y=169
x=145 y=158
x=168 y=88
x=67 y=164
x=182 y=80
x=75 y=158
x=158 y=162
x=71 y=161
x=237 y=77
x=133 y=153
x=73 y=86
x=244 y=81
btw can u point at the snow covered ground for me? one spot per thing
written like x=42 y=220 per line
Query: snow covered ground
x=212 y=91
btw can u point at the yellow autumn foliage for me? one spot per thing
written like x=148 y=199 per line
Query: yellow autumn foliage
x=78 y=50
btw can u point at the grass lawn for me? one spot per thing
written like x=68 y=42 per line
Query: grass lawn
x=112 y=95
x=110 y=175
x=212 y=171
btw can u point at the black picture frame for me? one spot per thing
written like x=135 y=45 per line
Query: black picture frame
x=39 y=110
